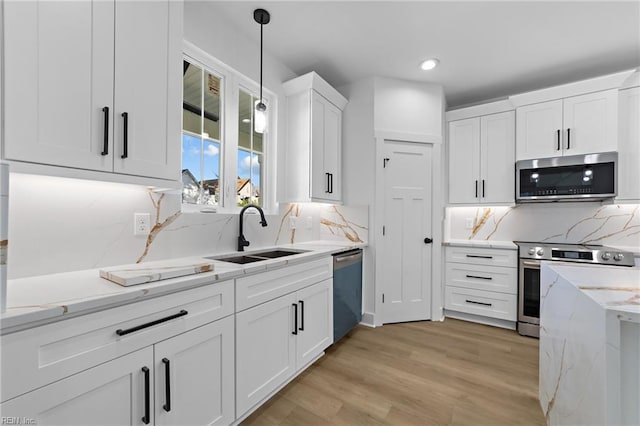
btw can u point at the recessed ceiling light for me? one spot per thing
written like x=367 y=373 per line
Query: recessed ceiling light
x=429 y=64
x=246 y=120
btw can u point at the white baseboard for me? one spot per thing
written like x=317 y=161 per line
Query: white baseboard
x=511 y=325
x=368 y=319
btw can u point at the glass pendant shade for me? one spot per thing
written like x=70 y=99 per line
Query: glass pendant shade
x=260 y=118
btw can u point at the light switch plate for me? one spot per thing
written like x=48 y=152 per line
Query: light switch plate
x=141 y=223
x=469 y=223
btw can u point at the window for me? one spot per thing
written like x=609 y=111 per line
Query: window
x=201 y=141
x=225 y=163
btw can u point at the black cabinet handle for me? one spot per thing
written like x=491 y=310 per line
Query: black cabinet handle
x=479 y=277
x=167 y=384
x=482 y=188
x=327 y=183
x=121 y=332
x=477 y=303
x=428 y=240
x=105 y=143
x=476 y=189
x=568 y=138
x=479 y=257
x=295 y=318
x=558 y=132
x=125 y=144
x=330 y=183
x=301 y=302
x=147 y=397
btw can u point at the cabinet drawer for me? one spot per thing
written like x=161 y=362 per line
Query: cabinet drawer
x=265 y=286
x=35 y=357
x=482 y=256
x=478 y=302
x=481 y=277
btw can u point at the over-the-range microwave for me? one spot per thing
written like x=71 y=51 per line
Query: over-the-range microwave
x=569 y=178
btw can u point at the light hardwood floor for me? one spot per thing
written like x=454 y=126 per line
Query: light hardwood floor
x=419 y=373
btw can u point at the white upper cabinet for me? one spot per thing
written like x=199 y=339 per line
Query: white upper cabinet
x=575 y=125
x=314 y=138
x=481 y=159
x=629 y=145
x=73 y=68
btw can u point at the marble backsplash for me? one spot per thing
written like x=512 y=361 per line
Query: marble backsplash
x=61 y=225
x=574 y=223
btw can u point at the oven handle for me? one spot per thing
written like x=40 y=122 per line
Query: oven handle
x=534 y=264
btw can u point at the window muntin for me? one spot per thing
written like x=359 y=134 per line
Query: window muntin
x=250 y=153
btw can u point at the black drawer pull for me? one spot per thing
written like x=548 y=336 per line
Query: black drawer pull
x=105 y=146
x=147 y=397
x=295 y=318
x=479 y=277
x=479 y=257
x=121 y=332
x=167 y=384
x=477 y=303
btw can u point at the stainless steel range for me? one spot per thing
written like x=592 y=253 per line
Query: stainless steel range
x=531 y=254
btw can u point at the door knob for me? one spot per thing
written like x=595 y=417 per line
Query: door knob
x=428 y=240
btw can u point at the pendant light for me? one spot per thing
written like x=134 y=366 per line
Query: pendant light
x=262 y=17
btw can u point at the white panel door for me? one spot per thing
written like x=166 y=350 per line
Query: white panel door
x=629 y=145
x=591 y=123
x=332 y=149
x=144 y=77
x=112 y=393
x=464 y=167
x=319 y=175
x=315 y=321
x=539 y=130
x=199 y=365
x=58 y=70
x=406 y=275
x=265 y=350
x=497 y=158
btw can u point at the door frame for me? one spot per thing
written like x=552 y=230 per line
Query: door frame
x=437 y=217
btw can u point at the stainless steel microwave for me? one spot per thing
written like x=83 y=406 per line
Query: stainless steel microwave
x=569 y=178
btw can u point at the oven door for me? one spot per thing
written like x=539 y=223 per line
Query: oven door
x=529 y=291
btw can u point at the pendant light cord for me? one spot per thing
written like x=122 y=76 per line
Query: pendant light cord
x=261 y=26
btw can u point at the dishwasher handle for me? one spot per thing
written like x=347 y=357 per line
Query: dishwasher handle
x=343 y=260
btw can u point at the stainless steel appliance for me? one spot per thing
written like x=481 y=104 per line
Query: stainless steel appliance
x=569 y=178
x=347 y=292
x=531 y=254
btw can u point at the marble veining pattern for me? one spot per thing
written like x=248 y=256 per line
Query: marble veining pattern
x=156 y=271
x=337 y=224
x=573 y=223
x=157 y=226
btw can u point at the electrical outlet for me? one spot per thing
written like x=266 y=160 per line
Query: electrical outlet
x=469 y=223
x=141 y=223
x=293 y=222
x=308 y=222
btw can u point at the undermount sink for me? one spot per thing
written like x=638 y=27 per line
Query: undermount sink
x=257 y=257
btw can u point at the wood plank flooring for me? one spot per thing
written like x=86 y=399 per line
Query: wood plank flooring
x=419 y=373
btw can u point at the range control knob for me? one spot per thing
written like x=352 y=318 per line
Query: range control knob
x=606 y=255
x=532 y=251
x=540 y=252
x=618 y=257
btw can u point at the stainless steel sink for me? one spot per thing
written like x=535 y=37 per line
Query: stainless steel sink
x=257 y=256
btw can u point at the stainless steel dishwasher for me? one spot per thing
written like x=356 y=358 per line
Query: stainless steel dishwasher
x=347 y=292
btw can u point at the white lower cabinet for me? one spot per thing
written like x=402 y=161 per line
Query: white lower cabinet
x=279 y=338
x=482 y=282
x=113 y=393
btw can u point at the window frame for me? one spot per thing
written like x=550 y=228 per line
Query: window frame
x=232 y=82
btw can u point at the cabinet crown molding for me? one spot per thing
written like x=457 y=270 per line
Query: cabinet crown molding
x=610 y=81
x=479 y=110
x=313 y=81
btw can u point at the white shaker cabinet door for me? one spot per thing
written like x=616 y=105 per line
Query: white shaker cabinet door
x=497 y=161
x=195 y=376
x=591 y=123
x=315 y=323
x=464 y=167
x=629 y=145
x=147 y=88
x=113 y=393
x=539 y=130
x=265 y=350
x=58 y=70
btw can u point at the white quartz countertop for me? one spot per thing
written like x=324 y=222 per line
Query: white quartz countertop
x=615 y=289
x=41 y=299
x=506 y=245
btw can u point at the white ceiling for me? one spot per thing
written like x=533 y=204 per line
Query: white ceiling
x=487 y=50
